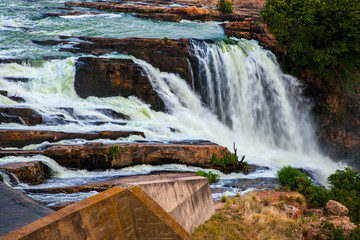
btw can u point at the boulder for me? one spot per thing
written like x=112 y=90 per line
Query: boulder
x=334 y=208
x=32 y=173
x=103 y=77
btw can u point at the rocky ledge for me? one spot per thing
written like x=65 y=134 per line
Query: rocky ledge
x=188 y=13
x=21 y=138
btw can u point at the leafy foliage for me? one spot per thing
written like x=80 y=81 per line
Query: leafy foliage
x=225 y=6
x=298 y=181
x=345 y=188
x=213 y=177
x=319 y=35
x=114 y=150
x=229 y=162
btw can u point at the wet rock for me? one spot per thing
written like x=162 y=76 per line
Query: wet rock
x=167 y=17
x=21 y=138
x=250 y=29
x=170 y=55
x=32 y=173
x=17 y=79
x=99 y=156
x=27 y=115
x=334 y=208
x=103 y=77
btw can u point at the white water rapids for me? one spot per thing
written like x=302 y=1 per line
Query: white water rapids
x=242 y=96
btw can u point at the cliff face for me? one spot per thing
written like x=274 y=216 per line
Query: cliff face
x=337 y=115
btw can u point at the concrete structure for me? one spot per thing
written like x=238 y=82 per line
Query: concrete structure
x=159 y=209
x=18 y=210
x=188 y=199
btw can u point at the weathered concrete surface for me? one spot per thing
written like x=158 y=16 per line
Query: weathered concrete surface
x=120 y=182
x=98 y=156
x=117 y=213
x=21 y=138
x=32 y=173
x=103 y=77
x=18 y=210
x=188 y=200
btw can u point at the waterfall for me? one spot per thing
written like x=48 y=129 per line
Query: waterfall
x=242 y=96
x=243 y=85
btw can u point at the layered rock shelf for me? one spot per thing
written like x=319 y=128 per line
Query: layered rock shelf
x=188 y=13
x=100 y=156
x=21 y=138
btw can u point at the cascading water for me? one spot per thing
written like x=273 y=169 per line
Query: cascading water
x=244 y=86
x=249 y=101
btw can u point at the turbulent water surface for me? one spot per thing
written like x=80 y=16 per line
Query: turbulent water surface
x=239 y=95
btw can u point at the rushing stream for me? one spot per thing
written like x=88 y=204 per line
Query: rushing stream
x=239 y=94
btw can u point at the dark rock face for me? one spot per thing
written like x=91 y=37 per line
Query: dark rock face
x=102 y=77
x=169 y=55
x=28 y=172
x=337 y=117
x=19 y=115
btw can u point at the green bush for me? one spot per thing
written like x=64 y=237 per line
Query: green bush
x=225 y=6
x=345 y=188
x=318 y=35
x=213 y=177
x=287 y=177
x=296 y=180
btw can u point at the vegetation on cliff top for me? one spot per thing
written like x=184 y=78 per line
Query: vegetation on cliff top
x=344 y=188
x=322 y=36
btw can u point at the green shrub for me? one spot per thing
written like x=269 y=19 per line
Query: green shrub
x=296 y=180
x=354 y=234
x=287 y=177
x=329 y=231
x=165 y=39
x=114 y=150
x=225 y=6
x=345 y=188
x=318 y=35
x=213 y=177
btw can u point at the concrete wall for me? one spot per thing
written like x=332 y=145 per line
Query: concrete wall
x=117 y=213
x=188 y=200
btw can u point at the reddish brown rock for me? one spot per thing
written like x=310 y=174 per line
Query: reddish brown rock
x=334 y=208
x=102 y=77
x=188 y=13
x=249 y=29
x=20 y=138
x=99 y=156
x=32 y=173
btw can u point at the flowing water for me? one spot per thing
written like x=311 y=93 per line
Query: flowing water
x=239 y=95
